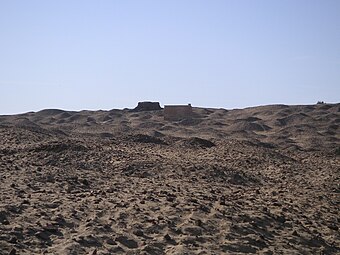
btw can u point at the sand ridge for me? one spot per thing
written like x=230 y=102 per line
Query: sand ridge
x=261 y=180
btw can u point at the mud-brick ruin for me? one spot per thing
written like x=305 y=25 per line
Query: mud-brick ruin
x=177 y=112
x=147 y=106
x=171 y=112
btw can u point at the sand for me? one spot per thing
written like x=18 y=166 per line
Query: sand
x=261 y=180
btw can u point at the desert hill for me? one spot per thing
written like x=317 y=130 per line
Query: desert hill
x=260 y=180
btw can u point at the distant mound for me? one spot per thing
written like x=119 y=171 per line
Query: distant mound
x=49 y=112
x=249 y=126
x=282 y=126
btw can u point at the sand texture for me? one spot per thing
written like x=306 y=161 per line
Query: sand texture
x=261 y=180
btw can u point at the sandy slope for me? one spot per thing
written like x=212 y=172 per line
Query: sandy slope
x=263 y=180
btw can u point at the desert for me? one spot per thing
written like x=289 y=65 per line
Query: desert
x=258 y=180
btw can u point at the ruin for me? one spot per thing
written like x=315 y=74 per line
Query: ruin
x=177 y=112
x=147 y=106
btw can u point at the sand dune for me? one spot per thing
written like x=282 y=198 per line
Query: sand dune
x=260 y=180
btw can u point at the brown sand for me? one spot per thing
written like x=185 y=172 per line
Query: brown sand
x=262 y=180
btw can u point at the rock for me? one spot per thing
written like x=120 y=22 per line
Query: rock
x=193 y=231
x=333 y=227
x=147 y=106
x=53 y=229
x=199 y=142
x=204 y=208
x=142 y=138
x=25 y=202
x=170 y=199
x=281 y=219
x=153 y=249
x=138 y=232
x=116 y=250
x=85 y=182
x=43 y=235
x=13 y=252
x=59 y=220
x=89 y=241
x=169 y=239
x=3 y=218
x=237 y=179
x=14 y=208
x=130 y=243
x=238 y=248
x=199 y=223
x=17 y=228
x=13 y=239
x=53 y=204
x=111 y=242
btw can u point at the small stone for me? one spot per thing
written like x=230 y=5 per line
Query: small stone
x=333 y=227
x=13 y=252
x=130 y=243
x=53 y=229
x=25 y=202
x=295 y=233
x=111 y=241
x=167 y=237
x=13 y=239
x=88 y=240
x=170 y=199
x=17 y=228
x=116 y=250
x=3 y=218
x=43 y=235
x=193 y=231
x=281 y=219
x=199 y=223
x=276 y=204
x=85 y=182
x=138 y=232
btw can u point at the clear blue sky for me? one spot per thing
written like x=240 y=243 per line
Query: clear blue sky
x=82 y=54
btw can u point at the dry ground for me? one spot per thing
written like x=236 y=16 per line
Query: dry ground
x=262 y=180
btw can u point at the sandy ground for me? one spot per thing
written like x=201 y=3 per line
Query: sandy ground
x=262 y=180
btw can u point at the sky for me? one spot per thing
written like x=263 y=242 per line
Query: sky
x=105 y=54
